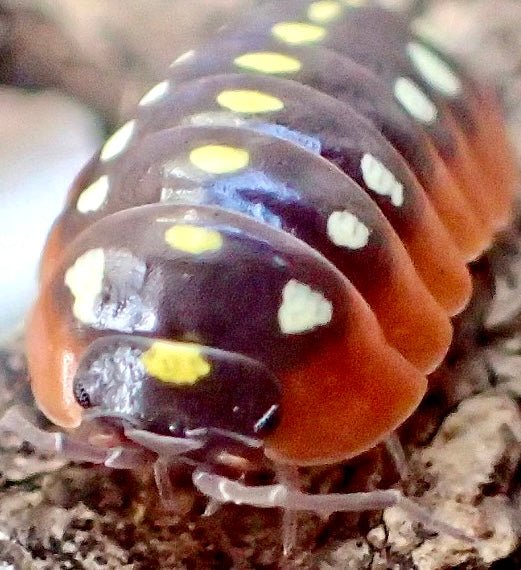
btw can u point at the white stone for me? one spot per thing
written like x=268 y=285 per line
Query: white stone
x=482 y=434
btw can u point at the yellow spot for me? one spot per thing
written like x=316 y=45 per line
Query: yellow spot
x=297 y=33
x=268 y=62
x=176 y=363
x=193 y=239
x=247 y=101
x=219 y=159
x=324 y=11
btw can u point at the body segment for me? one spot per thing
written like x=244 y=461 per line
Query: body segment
x=272 y=247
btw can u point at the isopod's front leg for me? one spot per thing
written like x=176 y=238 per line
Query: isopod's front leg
x=225 y=490
x=169 y=451
x=288 y=477
x=57 y=443
x=395 y=450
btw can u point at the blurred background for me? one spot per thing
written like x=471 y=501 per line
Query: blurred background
x=71 y=70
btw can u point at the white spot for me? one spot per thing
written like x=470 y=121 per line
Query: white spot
x=155 y=94
x=93 y=197
x=346 y=230
x=118 y=141
x=434 y=70
x=85 y=281
x=414 y=100
x=183 y=57
x=303 y=309
x=381 y=180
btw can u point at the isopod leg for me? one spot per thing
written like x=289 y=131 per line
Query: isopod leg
x=67 y=447
x=163 y=446
x=46 y=442
x=280 y=496
x=397 y=453
x=164 y=484
x=127 y=458
x=288 y=477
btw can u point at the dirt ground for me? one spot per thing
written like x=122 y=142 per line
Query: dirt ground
x=464 y=448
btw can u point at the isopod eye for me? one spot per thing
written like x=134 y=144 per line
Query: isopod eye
x=81 y=395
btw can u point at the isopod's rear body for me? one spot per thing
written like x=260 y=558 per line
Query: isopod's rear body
x=321 y=125
x=361 y=89
x=274 y=245
x=423 y=83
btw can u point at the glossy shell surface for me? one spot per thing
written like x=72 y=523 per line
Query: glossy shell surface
x=275 y=243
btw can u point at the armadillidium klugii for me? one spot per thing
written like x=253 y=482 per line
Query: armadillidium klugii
x=268 y=255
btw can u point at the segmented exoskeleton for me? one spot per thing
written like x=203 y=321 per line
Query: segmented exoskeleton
x=268 y=255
